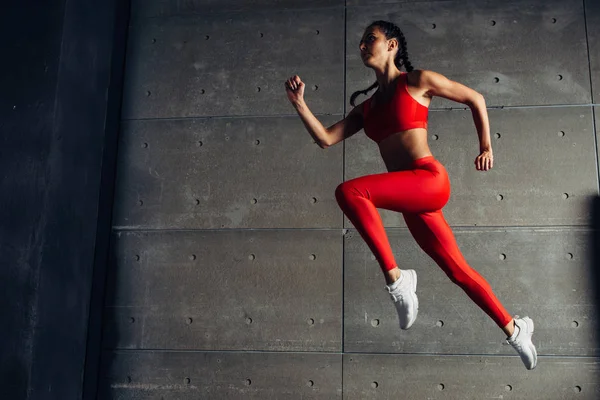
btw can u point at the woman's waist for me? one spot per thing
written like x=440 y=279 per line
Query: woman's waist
x=404 y=150
x=423 y=161
x=409 y=141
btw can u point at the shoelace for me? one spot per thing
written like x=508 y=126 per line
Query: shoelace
x=394 y=297
x=516 y=345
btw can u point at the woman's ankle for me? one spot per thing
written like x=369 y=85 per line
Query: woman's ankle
x=509 y=329
x=392 y=275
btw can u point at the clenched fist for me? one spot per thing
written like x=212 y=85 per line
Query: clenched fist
x=294 y=88
x=484 y=161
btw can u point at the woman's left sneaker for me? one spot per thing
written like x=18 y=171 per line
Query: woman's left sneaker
x=521 y=341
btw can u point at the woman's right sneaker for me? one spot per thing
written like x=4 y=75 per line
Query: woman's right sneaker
x=403 y=293
x=521 y=341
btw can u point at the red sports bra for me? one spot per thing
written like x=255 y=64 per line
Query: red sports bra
x=403 y=112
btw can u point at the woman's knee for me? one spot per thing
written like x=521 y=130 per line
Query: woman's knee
x=453 y=271
x=464 y=278
x=457 y=277
x=345 y=190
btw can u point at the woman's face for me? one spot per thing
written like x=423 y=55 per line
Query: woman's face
x=375 y=48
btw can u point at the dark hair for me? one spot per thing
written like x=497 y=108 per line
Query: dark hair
x=391 y=31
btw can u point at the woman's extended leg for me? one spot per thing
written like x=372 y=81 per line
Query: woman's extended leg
x=433 y=234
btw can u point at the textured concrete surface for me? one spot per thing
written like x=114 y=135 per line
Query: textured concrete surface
x=233 y=272
x=193 y=375
x=226 y=290
x=539 y=272
x=224 y=64
x=507 y=51
x=172 y=375
x=467 y=377
x=226 y=173
x=170 y=8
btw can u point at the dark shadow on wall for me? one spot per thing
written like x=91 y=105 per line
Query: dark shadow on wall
x=53 y=135
x=110 y=332
x=102 y=278
x=28 y=78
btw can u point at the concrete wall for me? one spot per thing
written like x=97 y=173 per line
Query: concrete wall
x=232 y=273
x=235 y=275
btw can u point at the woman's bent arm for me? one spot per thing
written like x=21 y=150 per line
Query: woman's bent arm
x=480 y=116
x=294 y=88
x=439 y=85
x=312 y=124
x=339 y=131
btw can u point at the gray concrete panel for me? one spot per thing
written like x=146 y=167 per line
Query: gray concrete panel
x=226 y=173
x=250 y=290
x=541 y=273
x=592 y=13
x=513 y=53
x=187 y=375
x=234 y=64
x=169 y=8
x=410 y=377
x=540 y=175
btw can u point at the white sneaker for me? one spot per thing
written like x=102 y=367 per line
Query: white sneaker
x=521 y=341
x=403 y=292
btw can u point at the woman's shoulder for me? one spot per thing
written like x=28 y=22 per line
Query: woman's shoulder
x=418 y=74
x=423 y=77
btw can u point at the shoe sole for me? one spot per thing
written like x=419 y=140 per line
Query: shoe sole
x=414 y=297
x=530 y=328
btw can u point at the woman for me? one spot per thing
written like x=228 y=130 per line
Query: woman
x=416 y=184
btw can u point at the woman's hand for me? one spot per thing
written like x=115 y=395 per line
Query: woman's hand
x=484 y=161
x=294 y=88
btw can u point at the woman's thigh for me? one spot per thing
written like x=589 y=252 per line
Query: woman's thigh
x=412 y=191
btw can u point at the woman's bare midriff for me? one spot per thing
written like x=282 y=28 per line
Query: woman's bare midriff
x=400 y=149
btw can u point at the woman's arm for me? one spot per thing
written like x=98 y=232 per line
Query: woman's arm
x=314 y=127
x=438 y=85
x=324 y=137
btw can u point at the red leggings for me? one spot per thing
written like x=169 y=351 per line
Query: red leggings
x=419 y=194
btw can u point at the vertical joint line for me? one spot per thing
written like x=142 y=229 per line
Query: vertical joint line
x=343 y=178
x=587 y=42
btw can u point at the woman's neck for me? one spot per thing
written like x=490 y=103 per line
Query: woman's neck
x=386 y=79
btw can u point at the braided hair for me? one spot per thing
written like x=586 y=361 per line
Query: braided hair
x=391 y=31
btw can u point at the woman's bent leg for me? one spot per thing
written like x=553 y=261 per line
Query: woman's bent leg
x=354 y=200
x=415 y=190
x=433 y=234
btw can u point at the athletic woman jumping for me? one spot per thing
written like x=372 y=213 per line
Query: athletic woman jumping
x=416 y=184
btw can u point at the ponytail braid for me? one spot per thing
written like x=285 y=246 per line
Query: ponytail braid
x=391 y=31
x=367 y=90
x=402 y=54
